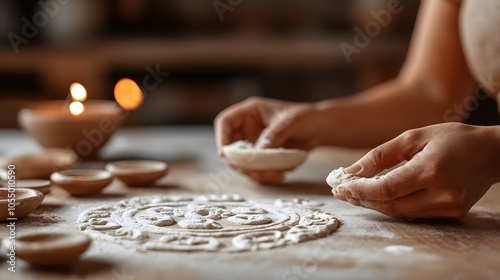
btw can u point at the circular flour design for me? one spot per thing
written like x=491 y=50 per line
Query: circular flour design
x=207 y=223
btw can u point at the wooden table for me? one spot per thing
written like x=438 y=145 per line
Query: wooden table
x=464 y=249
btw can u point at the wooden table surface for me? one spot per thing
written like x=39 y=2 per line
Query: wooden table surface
x=462 y=249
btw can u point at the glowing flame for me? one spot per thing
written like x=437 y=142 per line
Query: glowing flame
x=78 y=92
x=76 y=108
x=128 y=94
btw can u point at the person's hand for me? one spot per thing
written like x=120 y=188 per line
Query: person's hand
x=449 y=168
x=270 y=124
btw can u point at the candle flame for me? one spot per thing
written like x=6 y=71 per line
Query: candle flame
x=78 y=92
x=128 y=94
x=76 y=108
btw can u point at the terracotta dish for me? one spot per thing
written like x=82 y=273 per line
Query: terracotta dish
x=25 y=200
x=82 y=182
x=138 y=172
x=53 y=126
x=40 y=165
x=49 y=249
x=3 y=175
x=40 y=185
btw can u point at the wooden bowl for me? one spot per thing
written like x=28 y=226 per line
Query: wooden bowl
x=25 y=201
x=82 y=182
x=52 y=125
x=40 y=165
x=138 y=172
x=49 y=249
x=244 y=155
x=42 y=186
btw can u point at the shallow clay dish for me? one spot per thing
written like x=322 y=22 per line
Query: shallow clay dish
x=243 y=154
x=3 y=175
x=81 y=182
x=49 y=249
x=42 y=186
x=40 y=165
x=26 y=201
x=53 y=126
x=138 y=172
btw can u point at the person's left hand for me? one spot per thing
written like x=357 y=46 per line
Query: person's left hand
x=449 y=168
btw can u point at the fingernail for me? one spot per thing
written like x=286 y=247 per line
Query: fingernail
x=262 y=142
x=338 y=196
x=353 y=169
x=353 y=201
x=341 y=190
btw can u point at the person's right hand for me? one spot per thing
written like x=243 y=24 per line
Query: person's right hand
x=268 y=123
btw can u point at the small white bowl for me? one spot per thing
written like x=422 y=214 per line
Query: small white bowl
x=243 y=154
x=49 y=249
x=25 y=201
x=138 y=172
x=82 y=182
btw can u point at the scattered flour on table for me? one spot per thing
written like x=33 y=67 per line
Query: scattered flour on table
x=227 y=223
x=43 y=219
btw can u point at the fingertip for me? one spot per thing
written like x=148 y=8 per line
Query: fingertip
x=338 y=196
x=354 y=169
x=220 y=152
x=267 y=139
x=353 y=201
x=263 y=142
x=273 y=136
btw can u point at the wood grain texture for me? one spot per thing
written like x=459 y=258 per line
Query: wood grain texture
x=442 y=249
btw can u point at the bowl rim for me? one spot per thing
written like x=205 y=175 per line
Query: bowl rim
x=63 y=240
x=33 y=111
x=33 y=183
x=71 y=176
x=150 y=167
x=28 y=194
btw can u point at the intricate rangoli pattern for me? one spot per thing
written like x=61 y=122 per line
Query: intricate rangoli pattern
x=207 y=223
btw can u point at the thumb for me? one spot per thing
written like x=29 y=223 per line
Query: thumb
x=275 y=135
x=387 y=155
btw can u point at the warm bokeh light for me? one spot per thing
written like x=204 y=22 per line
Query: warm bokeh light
x=128 y=94
x=78 y=92
x=76 y=108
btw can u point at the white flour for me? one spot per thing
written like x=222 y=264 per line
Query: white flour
x=207 y=223
x=338 y=177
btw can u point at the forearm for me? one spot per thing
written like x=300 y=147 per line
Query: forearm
x=377 y=115
x=434 y=78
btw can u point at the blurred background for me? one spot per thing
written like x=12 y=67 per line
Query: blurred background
x=216 y=52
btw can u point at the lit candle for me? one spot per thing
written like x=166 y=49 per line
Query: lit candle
x=128 y=94
x=79 y=94
x=85 y=125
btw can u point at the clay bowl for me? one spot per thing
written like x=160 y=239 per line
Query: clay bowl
x=40 y=165
x=82 y=182
x=244 y=155
x=42 y=186
x=26 y=201
x=49 y=249
x=138 y=172
x=52 y=125
x=3 y=175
